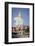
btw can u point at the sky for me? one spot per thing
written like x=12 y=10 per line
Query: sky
x=24 y=12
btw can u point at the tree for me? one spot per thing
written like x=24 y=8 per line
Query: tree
x=27 y=30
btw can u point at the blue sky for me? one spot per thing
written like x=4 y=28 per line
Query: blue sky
x=24 y=12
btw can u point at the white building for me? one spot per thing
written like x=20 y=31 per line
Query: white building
x=19 y=20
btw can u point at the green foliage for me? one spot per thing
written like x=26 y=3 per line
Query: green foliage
x=27 y=30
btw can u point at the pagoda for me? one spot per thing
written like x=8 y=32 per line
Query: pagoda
x=19 y=20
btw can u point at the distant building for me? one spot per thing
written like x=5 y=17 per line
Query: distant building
x=19 y=20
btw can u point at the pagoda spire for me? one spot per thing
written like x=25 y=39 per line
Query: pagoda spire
x=20 y=15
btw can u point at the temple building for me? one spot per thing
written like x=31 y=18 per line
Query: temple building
x=19 y=20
